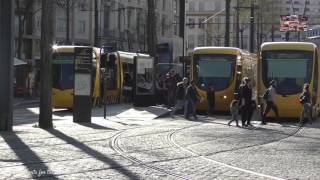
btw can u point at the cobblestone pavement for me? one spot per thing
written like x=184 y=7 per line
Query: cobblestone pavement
x=131 y=144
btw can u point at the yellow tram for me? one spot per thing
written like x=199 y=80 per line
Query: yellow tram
x=119 y=66
x=222 y=67
x=291 y=64
x=63 y=76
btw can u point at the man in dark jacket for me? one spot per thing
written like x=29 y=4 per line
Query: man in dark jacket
x=191 y=98
x=180 y=95
x=247 y=105
x=210 y=99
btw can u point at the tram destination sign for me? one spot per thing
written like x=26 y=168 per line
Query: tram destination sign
x=83 y=59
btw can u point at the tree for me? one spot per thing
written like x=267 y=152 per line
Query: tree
x=24 y=12
x=68 y=5
x=47 y=33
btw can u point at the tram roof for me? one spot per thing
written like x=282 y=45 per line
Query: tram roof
x=214 y=49
x=128 y=56
x=69 y=48
x=307 y=46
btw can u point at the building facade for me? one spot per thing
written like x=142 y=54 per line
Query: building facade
x=205 y=21
x=121 y=23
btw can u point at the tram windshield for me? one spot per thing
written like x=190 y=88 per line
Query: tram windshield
x=215 y=69
x=62 y=71
x=290 y=68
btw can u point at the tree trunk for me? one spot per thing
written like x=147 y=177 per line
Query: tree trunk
x=20 y=28
x=6 y=64
x=151 y=32
x=47 y=33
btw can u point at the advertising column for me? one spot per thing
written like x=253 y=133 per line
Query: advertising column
x=144 y=91
x=82 y=102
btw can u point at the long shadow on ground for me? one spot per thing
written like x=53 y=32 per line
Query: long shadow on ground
x=93 y=153
x=30 y=159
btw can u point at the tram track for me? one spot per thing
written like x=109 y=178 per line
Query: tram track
x=171 y=140
x=117 y=148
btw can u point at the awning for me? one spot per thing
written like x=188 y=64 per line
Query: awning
x=18 y=62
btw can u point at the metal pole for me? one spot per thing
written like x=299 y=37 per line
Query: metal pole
x=237 y=25
x=68 y=22
x=227 y=30
x=6 y=64
x=96 y=23
x=252 y=27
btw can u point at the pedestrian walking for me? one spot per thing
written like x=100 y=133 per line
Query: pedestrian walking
x=234 y=110
x=305 y=100
x=192 y=97
x=270 y=101
x=180 y=96
x=210 y=99
x=171 y=84
x=246 y=102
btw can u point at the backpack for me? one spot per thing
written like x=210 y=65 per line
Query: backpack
x=302 y=99
x=266 y=94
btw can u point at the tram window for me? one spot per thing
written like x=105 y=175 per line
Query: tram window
x=62 y=71
x=316 y=73
x=299 y=65
x=112 y=73
x=103 y=60
x=215 y=69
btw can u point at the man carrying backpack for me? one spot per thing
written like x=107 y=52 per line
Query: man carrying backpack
x=305 y=100
x=270 y=98
x=180 y=95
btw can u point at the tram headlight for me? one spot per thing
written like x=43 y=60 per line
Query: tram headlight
x=54 y=47
x=224 y=97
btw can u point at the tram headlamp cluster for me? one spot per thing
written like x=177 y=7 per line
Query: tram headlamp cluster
x=54 y=47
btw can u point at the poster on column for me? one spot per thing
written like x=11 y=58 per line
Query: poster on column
x=144 y=76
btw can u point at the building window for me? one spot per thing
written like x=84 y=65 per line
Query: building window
x=201 y=40
x=201 y=6
x=83 y=6
x=191 y=23
x=176 y=25
x=201 y=23
x=61 y=25
x=218 y=6
x=191 y=6
x=163 y=25
x=164 y=5
x=175 y=6
x=190 y=41
x=129 y=12
x=106 y=18
x=81 y=26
